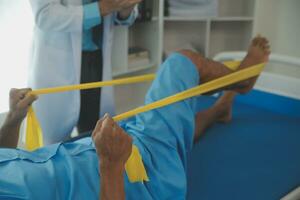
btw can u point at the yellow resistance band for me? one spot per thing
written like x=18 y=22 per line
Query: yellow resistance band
x=134 y=166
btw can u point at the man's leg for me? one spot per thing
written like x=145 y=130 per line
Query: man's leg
x=184 y=70
x=165 y=135
x=219 y=112
x=258 y=52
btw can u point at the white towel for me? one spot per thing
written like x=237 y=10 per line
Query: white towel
x=193 y=8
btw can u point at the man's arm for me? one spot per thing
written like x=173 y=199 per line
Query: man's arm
x=113 y=147
x=112 y=181
x=19 y=102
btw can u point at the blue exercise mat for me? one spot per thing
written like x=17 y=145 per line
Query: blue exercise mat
x=255 y=157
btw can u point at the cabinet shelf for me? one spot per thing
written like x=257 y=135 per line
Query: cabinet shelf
x=131 y=70
x=220 y=19
x=231 y=29
x=185 y=19
x=203 y=19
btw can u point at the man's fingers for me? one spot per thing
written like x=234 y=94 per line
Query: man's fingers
x=98 y=126
x=107 y=126
x=99 y=123
x=23 y=92
x=15 y=95
x=108 y=121
x=13 y=92
x=27 y=101
x=19 y=93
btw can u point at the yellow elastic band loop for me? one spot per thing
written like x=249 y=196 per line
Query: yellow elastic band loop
x=233 y=65
x=203 y=88
x=85 y=86
x=34 y=135
x=134 y=167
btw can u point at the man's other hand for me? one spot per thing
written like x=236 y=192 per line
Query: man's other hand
x=19 y=103
x=113 y=145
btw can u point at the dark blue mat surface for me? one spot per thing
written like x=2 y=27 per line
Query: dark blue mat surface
x=255 y=157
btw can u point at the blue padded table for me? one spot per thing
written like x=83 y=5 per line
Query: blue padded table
x=255 y=157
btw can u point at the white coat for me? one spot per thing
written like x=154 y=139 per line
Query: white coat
x=56 y=61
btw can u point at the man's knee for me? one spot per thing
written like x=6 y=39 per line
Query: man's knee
x=188 y=53
x=195 y=57
x=191 y=54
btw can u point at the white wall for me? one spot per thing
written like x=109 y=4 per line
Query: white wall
x=16 y=25
x=2 y=117
x=289 y=28
x=279 y=21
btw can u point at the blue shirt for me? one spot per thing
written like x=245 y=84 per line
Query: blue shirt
x=91 y=18
x=70 y=170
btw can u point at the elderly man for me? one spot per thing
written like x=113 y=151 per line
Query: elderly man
x=82 y=169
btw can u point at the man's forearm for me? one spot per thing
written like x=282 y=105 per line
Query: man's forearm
x=112 y=182
x=9 y=134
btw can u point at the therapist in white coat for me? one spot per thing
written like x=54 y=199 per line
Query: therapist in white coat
x=65 y=51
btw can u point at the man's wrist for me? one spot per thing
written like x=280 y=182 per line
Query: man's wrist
x=112 y=181
x=109 y=167
x=11 y=121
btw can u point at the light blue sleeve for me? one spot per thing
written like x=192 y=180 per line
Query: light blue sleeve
x=91 y=15
x=129 y=21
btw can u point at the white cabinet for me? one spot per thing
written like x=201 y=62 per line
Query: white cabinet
x=147 y=35
x=231 y=30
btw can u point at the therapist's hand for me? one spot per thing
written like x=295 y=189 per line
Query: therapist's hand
x=109 y=6
x=125 y=13
x=19 y=102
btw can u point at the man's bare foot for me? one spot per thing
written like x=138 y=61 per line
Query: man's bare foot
x=223 y=107
x=258 y=52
